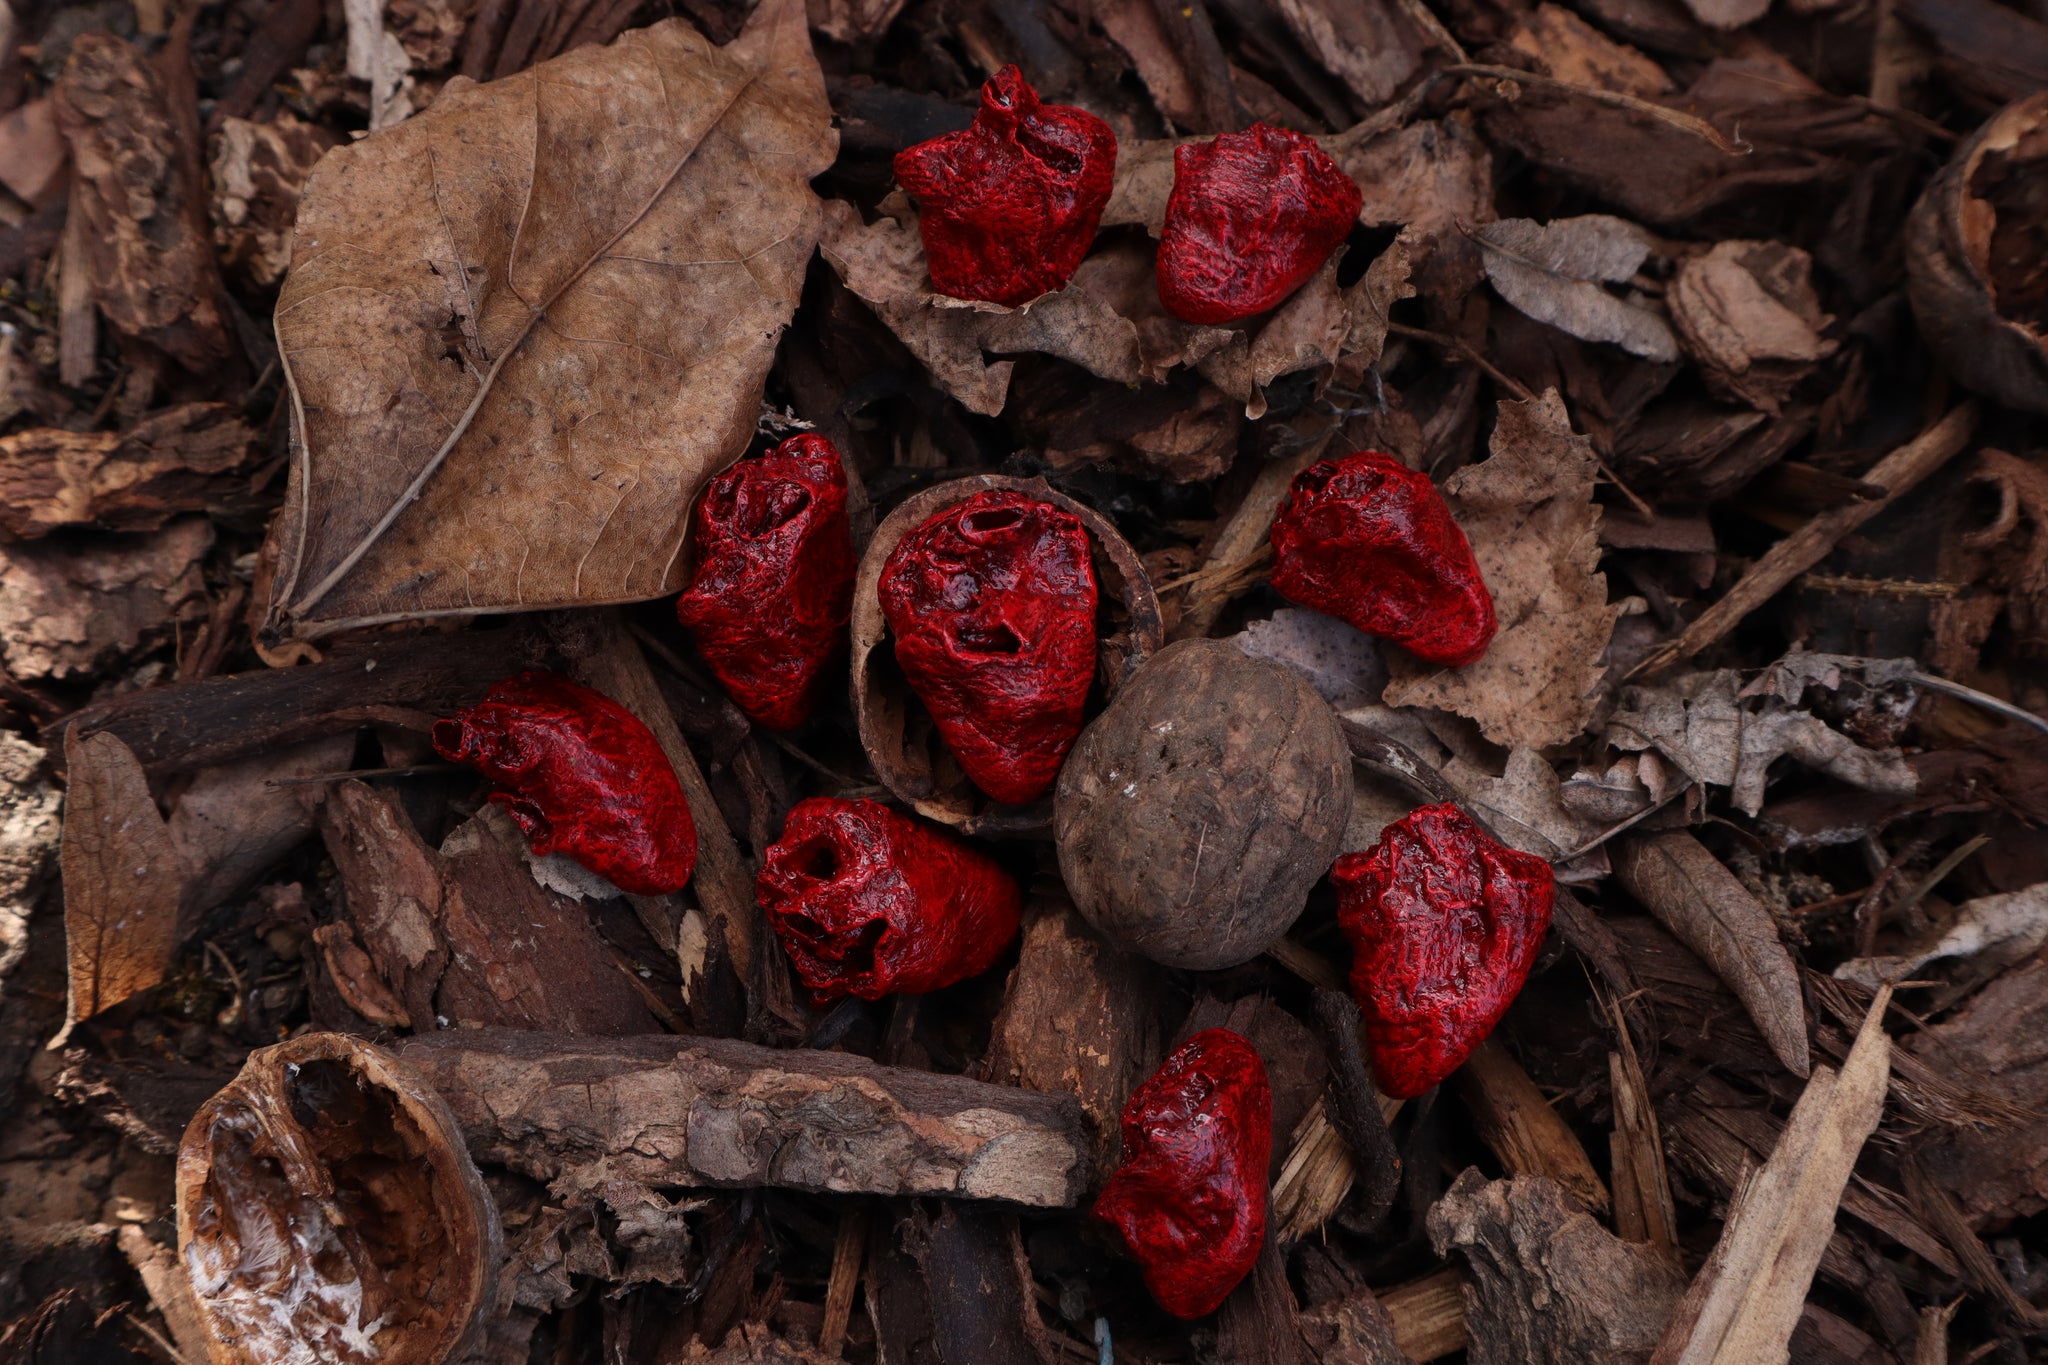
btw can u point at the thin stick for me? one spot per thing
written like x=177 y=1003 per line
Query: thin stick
x=1897 y=473
x=1684 y=122
x=846 y=1258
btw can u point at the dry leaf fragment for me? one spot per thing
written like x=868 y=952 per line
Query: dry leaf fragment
x=328 y=1213
x=1709 y=910
x=1549 y=1285
x=1746 y=1300
x=29 y=836
x=122 y=879
x=1749 y=315
x=69 y=607
x=230 y=825
x=852 y=21
x=883 y=263
x=1555 y=273
x=1728 y=13
x=173 y=461
x=151 y=268
x=2007 y=927
x=522 y=328
x=1529 y=514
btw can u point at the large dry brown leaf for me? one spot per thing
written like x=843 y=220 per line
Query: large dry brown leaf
x=122 y=878
x=1534 y=528
x=523 y=327
x=1556 y=273
x=1746 y=1300
x=1710 y=911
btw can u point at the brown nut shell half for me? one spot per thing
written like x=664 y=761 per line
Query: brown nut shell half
x=328 y=1211
x=1956 y=259
x=900 y=739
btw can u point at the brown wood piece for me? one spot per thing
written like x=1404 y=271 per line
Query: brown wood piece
x=1897 y=473
x=605 y=1119
x=1643 y=1211
x=605 y=656
x=847 y=1251
x=1523 y=1130
x=1428 y=1314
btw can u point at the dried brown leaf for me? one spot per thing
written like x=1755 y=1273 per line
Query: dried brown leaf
x=1709 y=910
x=1555 y=273
x=1746 y=1300
x=883 y=263
x=1436 y=175
x=1529 y=514
x=231 y=824
x=70 y=606
x=2006 y=927
x=523 y=327
x=122 y=879
x=141 y=238
x=172 y=461
x=1749 y=315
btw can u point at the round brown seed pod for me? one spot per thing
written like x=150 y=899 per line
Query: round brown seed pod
x=901 y=742
x=327 y=1209
x=1971 y=259
x=1196 y=812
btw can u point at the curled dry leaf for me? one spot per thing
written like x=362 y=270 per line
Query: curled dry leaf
x=328 y=1213
x=1529 y=514
x=122 y=879
x=522 y=328
x=1557 y=272
x=151 y=268
x=1749 y=315
x=1707 y=908
x=1746 y=1300
x=2005 y=927
x=71 y=606
x=901 y=743
x=1972 y=259
x=173 y=461
x=883 y=263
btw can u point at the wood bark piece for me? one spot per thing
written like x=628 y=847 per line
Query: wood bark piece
x=1746 y=1300
x=201 y=724
x=1549 y=1285
x=1643 y=1211
x=1897 y=473
x=1428 y=1315
x=1356 y=1329
x=1259 y=1323
x=1523 y=1130
x=978 y=1283
x=605 y=656
x=1709 y=910
x=122 y=879
x=596 y=1118
x=1079 y=1017
x=464 y=933
x=328 y=1212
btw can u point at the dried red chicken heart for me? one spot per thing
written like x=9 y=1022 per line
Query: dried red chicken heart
x=1252 y=216
x=992 y=603
x=868 y=902
x=774 y=582
x=1368 y=540
x=582 y=776
x=1010 y=204
x=1444 y=923
x=1190 y=1197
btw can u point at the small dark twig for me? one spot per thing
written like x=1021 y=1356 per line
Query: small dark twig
x=1355 y=1113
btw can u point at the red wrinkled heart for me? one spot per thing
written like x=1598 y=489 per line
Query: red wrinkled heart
x=868 y=902
x=1369 y=541
x=582 y=776
x=992 y=605
x=1009 y=206
x=1252 y=216
x=774 y=583
x=1190 y=1197
x=1444 y=922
